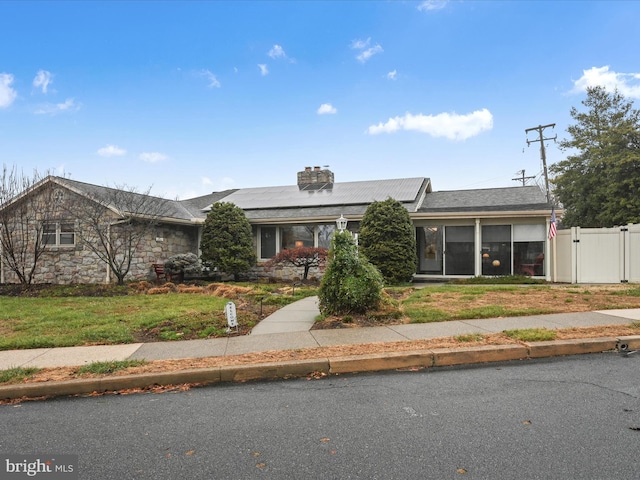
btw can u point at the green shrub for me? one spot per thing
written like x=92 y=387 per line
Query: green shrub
x=350 y=284
x=227 y=241
x=388 y=240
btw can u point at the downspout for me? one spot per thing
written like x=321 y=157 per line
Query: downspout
x=108 y=279
x=478 y=249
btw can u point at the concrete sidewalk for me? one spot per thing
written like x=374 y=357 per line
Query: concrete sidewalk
x=289 y=329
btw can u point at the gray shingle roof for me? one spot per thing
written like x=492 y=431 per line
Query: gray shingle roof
x=289 y=203
x=166 y=208
x=488 y=199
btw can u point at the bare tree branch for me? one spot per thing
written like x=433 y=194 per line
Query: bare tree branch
x=113 y=222
x=26 y=205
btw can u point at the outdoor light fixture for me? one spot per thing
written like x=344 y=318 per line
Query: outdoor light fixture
x=341 y=223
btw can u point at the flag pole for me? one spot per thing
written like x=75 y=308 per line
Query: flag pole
x=552 y=237
x=555 y=260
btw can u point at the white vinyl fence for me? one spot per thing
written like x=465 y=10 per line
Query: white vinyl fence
x=597 y=255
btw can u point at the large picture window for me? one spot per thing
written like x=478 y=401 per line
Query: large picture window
x=59 y=234
x=295 y=236
x=325 y=232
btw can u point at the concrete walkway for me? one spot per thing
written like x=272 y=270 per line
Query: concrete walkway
x=295 y=317
x=289 y=329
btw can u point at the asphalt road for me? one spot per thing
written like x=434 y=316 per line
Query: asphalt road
x=566 y=418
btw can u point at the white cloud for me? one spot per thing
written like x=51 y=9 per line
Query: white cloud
x=111 y=151
x=7 y=94
x=448 y=125
x=431 y=5
x=207 y=181
x=211 y=78
x=392 y=75
x=69 y=105
x=153 y=157
x=628 y=84
x=360 y=44
x=263 y=69
x=366 y=53
x=42 y=80
x=326 y=108
x=277 y=52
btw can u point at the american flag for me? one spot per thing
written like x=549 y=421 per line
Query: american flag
x=552 y=226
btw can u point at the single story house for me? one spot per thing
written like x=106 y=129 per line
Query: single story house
x=460 y=233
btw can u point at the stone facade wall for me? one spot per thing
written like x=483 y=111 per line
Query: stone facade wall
x=164 y=242
x=78 y=264
x=287 y=272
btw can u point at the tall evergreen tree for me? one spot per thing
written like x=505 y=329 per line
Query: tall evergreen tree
x=388 y=240
x=350 y=284
x=227 y=240
x=599 y=182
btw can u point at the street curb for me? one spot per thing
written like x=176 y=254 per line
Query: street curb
x=300 y=368
x=376 y=362
x=443 y=357
x=578 y=346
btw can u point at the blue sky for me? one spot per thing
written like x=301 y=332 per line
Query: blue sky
x=194 y=97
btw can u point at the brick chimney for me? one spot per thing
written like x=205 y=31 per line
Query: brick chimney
x=315 y=179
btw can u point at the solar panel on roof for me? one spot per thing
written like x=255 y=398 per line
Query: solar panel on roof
x=348 y=193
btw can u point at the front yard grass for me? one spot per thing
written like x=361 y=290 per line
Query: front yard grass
x=46 y=318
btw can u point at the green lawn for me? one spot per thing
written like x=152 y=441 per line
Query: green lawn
x=57 y=322
x=101 y=317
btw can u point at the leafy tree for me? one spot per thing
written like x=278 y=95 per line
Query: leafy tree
x=227 y=240
x=388 y=240
x=599 y=182
x=350 y=283
x=301 y=257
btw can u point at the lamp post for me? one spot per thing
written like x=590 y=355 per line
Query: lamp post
x=341 y=223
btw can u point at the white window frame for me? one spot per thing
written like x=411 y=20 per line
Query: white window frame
x=59 y=234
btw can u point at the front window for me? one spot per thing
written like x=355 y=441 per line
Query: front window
x=59 y=234
x=296 y=236
x=325 y=232
x=267 y=242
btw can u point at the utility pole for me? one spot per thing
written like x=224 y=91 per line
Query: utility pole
x=522 y=179
x=543 y=154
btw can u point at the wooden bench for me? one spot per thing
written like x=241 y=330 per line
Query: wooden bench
x=161 y=275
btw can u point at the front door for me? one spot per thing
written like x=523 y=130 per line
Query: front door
x=430 y=250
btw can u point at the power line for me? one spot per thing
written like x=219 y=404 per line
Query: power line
x=522 y=179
